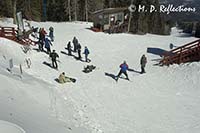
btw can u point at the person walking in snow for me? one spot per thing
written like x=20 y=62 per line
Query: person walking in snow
x=47 y=44
x=143 y=62
x=51 y=35
x=123 y=70
x=86 y=52
x=79 y=51
x=69 y=48
x=53 y=56
x=75 y=42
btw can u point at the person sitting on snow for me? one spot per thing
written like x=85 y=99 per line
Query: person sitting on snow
x=63 y=79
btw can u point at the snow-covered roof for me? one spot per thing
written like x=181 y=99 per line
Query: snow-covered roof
x=110 y=10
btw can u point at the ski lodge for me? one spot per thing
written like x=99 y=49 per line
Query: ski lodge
x=112 y=20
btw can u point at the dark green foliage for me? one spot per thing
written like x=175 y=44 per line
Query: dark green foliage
x=197 y=32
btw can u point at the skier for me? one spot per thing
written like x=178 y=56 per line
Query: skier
x=79 y=51
x=86 y=52
x=51 y=35
x=143 y=62
x=123 y=69
x=53 y=56
x=63 y=79
x=75 y=42
x=47 y=44
x=69 y=48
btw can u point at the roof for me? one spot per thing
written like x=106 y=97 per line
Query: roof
x=110 y=10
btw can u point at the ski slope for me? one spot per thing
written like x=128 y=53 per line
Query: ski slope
x=164 y=100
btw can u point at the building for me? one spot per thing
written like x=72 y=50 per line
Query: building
x=111 y=20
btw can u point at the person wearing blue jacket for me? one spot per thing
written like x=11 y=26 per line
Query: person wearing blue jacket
x=123 y=70
x=47 y=45
x=86 y=52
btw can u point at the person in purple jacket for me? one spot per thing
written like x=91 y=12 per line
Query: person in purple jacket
x=123 y=70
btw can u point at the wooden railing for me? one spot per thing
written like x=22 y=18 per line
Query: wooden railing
x=6 y=31
x=11 y=33
x=119 y=28
x=186 y=53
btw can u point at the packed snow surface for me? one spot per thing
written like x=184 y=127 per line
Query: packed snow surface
x=163 y=100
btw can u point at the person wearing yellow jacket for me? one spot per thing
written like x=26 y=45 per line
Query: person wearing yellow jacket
x=63 y=79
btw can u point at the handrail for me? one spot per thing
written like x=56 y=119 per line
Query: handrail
x=180 y=54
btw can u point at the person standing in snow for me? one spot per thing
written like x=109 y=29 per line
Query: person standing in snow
x=51 y=35
x=69 y=48
x=53 y=56
x=42 y=34
x=86 y=52
x=143 y=62
x=47 y=44
x=79 y=51
x=75 y=42
x=123 y=69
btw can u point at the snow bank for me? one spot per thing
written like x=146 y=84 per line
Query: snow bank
x=7 y=127
x=12 y=50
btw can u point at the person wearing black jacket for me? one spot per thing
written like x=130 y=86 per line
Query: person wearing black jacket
x=79 y=51
x=53 y=56
x=69 y=48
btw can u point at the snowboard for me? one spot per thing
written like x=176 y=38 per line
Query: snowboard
x=73 y=80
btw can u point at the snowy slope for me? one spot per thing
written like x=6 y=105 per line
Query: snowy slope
x=165 y=99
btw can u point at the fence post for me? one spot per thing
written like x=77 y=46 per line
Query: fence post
x=180 y=59
x=11 y=65
x=20 y=67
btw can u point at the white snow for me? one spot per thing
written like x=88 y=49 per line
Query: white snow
x=164 y=100
x=8 y=127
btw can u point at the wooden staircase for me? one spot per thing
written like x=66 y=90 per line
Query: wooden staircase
x=11 y=34
x=187 y=53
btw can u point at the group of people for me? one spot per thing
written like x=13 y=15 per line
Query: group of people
x=124 y=68
x=45 y=40
x=77 y=48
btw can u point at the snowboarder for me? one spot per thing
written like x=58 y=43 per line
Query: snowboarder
x=53 y=56
x=51 y=35
x=86 y=52
x=143 y=62
x=79 y=51
x=69 y=48
x=47 y=44
x=63 y=79
x=75 y=42
x=123 y=69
